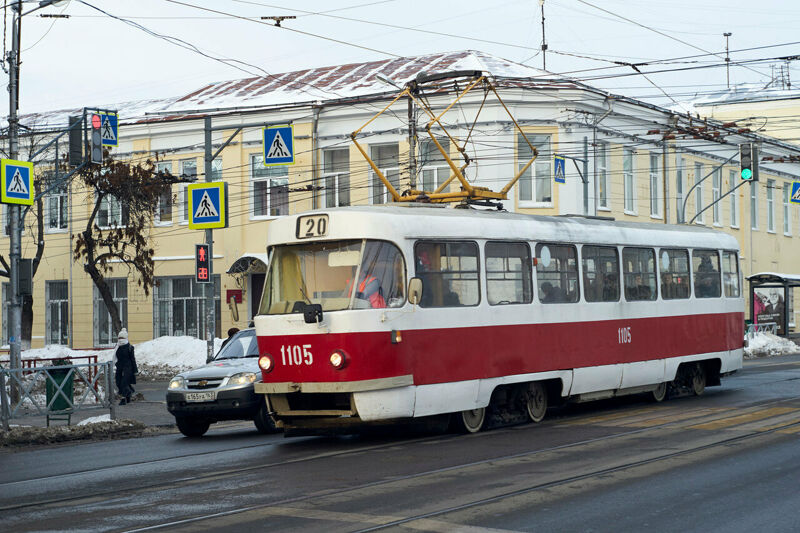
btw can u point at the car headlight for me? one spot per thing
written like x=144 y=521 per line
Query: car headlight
x=242 y=378
x=177 y=383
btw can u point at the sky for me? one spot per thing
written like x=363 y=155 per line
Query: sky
x=94 y=59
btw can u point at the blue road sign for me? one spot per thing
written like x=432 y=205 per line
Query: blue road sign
x=208 y=205
x=16 y=182
x=795 y=197
x=559 y=169
x=279 y=145
x=108 y=128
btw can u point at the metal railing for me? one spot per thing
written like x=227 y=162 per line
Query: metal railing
x=766 y=327
x=48 y=390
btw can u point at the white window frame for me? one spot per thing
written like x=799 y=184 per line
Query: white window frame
x=58 y=200
x=434 y=169
x=183 y=195
x=117 y=216
x=99 y=307
x=680 y=170
x=216 y=169
x=335 y=182
x=164 y=166
x=629 y=181
x=602 y=177
x=56 y=331
x=655 y=182
x=378 y=194
x=787 y=210
x=770 y=206
x=716 y=193
x=698 y=197
x=539 y=173
x=733 y=176
x=163 y=293
x=754 y=205
x=272 y=176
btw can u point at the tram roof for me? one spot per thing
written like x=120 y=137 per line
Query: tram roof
x=403 y=221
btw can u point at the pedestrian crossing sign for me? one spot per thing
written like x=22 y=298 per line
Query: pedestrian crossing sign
x=560 y=168
x=16 y=178
x=795 y=197
x=208 y=205
x=108 y=128
x=279 y=145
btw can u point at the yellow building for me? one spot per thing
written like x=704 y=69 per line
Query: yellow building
x=625 y=159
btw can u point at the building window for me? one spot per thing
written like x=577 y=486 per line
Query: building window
x=629 y=181
x=216 y=169
x=336 y=176
x=732 y=176
x=103 y=332
x=434 y=170
x=387 y=159
x=179 y=307
x=189 y=172
x=787 y=212
x=771 y=206
x=112 y=213
x=270 y=186
x=164 y=210
x=57 y=315
x=679 y=168
x=58 y=208
x=698 y=197
x=655 y=182
x=535 y=184
x=602 y=175
x=753 y=205
x=716 y=188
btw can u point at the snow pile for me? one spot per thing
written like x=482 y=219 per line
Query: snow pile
x=768 y=345
x=95 y=420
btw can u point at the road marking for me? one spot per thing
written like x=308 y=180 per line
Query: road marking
x=741 y=420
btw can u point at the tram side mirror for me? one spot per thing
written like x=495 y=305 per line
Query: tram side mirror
x=414 y=291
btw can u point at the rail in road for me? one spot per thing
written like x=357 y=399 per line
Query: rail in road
x=301 y=484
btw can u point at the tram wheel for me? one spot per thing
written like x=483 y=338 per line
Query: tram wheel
x=536 y=402
x=660 y=393
x=698 y=379
x=471 y=420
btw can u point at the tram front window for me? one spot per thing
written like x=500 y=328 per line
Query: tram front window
x=338 y=275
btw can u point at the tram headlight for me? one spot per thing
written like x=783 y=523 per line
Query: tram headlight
x=266 y=363
x=338 y=359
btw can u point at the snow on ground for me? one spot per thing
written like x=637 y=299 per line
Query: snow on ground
x=768 y=345
x=95 y=420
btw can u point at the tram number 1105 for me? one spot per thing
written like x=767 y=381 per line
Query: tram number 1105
x=296 y=355
x=624 y=335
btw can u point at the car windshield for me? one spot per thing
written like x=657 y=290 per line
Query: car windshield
x=243 y=344
x=322 y=273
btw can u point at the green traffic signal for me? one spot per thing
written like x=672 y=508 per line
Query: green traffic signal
x=747 y=174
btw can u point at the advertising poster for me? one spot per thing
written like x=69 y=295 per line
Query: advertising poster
x=769 y=306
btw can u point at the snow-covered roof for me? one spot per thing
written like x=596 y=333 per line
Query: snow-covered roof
x=302 y=87
x=738 y=94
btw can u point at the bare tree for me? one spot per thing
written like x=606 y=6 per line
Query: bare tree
x=117 y=230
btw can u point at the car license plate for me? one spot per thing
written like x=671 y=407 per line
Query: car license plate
x=200 y=396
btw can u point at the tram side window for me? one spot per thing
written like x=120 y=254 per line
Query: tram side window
x=449 y=273
x=508 y=273
x=600 y=273
x=557 y=273
x=674 y=274
x=730 y=274
x=705 y=267
x=639 y=267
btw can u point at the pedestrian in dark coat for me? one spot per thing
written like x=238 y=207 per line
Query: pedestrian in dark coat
x=126 y=369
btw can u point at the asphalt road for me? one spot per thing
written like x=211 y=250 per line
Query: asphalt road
x=725 y=461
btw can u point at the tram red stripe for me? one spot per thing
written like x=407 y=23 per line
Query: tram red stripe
x=457 y=354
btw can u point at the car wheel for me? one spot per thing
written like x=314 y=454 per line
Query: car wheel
x=192 y=427
x=263 y=421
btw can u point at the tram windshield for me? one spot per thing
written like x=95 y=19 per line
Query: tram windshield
x=353 y=274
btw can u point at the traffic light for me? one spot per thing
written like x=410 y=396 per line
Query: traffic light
x=96 y=138
x=75 y=141
x=748 y=162
x=202 y=264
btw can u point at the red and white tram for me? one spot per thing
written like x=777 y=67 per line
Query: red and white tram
x=371 y=314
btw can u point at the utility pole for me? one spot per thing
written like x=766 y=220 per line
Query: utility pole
x=412 y=142
x=544 y=42
x=727 y=35
x=211 y=322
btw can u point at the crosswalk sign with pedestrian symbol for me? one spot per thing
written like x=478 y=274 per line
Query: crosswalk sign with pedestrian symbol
x=795 y=197
x=208 y=205
x=16 y=178
x=279 y=145
x=108 y=128
x=560 y=169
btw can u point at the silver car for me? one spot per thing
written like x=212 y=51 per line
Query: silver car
x=221 y=390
